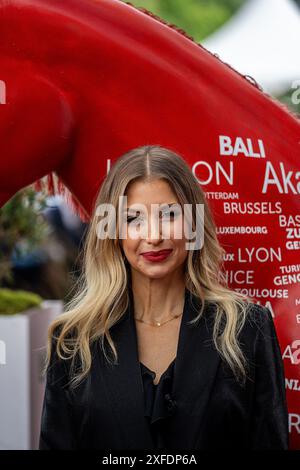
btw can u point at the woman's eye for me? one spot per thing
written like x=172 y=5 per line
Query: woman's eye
x=170 y=213
x=130 y=219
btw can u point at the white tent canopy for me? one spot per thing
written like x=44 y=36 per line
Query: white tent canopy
x=262 y=40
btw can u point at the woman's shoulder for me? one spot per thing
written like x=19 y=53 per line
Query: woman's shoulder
x=259 y=322
x=58 y=369
x=255 y=315
x=258 y=315
x=253 y=318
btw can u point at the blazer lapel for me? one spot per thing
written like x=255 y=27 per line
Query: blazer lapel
x=195 y=368
x=125 y=385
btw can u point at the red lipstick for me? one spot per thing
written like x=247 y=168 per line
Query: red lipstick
x=156 y=256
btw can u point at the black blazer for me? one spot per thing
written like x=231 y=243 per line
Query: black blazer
x=213 y=411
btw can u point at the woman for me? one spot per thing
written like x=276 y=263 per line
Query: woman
x=155 y=351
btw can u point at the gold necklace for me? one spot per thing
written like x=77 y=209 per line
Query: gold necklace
x=157 y=323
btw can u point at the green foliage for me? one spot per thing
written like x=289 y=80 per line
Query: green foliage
x=17 y=301
x=22 y=227
x=287 y=99
x=199 y=18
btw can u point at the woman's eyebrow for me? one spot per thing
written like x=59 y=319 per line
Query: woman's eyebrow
x=170 y=204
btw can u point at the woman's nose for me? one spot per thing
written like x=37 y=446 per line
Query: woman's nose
x=154 y=229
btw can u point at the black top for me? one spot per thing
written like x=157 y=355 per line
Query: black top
x=159 y=404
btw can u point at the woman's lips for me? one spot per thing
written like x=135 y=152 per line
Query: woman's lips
x=159 y=256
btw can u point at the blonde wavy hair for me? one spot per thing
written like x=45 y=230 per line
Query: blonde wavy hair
x=102 y=295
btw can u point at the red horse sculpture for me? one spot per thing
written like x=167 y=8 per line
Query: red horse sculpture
x=83 y=81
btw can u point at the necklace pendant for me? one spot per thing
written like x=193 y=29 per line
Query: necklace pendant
x=157 y=323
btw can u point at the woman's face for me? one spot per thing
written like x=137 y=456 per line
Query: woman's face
x=169 y=222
